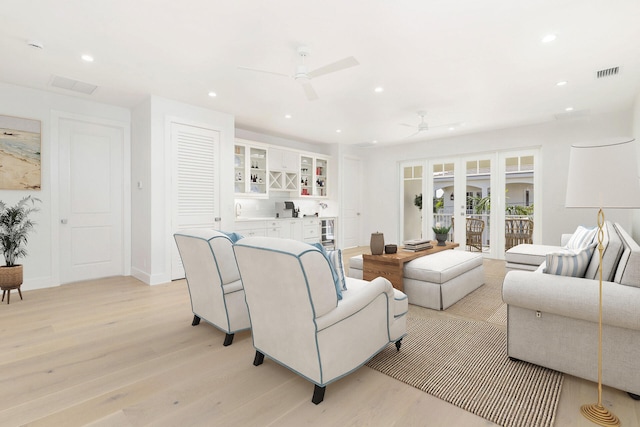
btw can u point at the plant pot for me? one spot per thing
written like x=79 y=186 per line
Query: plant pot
x=441 y=238
x=10 y=277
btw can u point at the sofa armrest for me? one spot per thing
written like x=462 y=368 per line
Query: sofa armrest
x=356 y=301
x=573 y=297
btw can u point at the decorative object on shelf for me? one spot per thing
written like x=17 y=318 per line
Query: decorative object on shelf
x=442 y=233
x=377 y=243
x=15 y=227
x=586 y=188
x=390 y=249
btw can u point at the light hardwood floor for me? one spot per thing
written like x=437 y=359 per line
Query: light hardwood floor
x=116 y=352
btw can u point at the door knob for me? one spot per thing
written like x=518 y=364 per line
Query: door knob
x=63 y=221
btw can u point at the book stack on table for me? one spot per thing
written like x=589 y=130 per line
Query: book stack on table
x=415 y=245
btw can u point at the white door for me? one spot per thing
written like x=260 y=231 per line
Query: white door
x=351 y=202
x=91 y=200
x=195 y=191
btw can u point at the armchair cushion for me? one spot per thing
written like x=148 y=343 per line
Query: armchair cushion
x=232 y=235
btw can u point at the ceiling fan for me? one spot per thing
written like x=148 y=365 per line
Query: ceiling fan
x=303 y=76
x=423 y=126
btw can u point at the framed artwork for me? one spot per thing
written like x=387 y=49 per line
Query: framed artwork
x=20 y=142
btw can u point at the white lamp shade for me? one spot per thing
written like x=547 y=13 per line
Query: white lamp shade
x=604 y=175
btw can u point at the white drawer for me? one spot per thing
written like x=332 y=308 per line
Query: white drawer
x=309 y=222
x=249 y=225
x=311 y=232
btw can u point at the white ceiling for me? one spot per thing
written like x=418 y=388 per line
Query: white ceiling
x=477 y=63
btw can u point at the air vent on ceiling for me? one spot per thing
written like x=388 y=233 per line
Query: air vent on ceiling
x=74 y=85
x=608 y=72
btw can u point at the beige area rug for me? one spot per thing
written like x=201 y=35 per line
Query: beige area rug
x=459 y=356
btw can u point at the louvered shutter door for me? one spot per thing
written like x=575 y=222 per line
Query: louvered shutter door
x=195 y=186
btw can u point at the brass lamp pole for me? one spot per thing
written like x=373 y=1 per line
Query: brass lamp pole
x=618 y=188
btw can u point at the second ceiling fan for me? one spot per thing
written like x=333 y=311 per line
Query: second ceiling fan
x=304 y=76
x=423 y=126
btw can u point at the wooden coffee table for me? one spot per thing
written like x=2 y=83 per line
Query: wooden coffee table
x=390 y=266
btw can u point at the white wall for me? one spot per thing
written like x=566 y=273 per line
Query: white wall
x=381 y=174
x=151 y=164
x=41 y=267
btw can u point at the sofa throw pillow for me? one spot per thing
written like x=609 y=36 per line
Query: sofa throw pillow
x=582 y=237
x=336 y=260
x=569 y=262
x=334 y=273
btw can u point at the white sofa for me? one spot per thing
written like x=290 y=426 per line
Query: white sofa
x=553 y=320
x=298 y=318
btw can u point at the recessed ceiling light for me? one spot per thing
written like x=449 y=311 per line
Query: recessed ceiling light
x=562 y=83
x=213 y=94
x=338 y=130
x=375 y=141
x=379 y=89
x=452 y=128
x=287 y=116
x=87 y=58
x=568 y=109
x=549 y=38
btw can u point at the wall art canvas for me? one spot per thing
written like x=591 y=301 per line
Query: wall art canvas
x=20 y=142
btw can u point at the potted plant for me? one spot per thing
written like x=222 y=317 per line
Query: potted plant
x=15 y=226
x=442 y=233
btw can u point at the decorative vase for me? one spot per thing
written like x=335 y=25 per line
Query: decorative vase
x=441 y=238
x=390 y=249
x=377 y=243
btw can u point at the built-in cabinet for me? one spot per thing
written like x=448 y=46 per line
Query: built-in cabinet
x=303 y=229
x=283 y=170
x=313 y=176
x=259 y=169
x=311 y=229
x=250 y=168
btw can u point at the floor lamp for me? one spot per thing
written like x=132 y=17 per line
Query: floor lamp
x=603 y=176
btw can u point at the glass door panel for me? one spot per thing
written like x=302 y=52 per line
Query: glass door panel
x=412 y=201
x=519 y=197
x=478 y=205
x=443 y=197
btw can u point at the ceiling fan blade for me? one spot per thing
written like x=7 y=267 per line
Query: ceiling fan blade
x=309 y=91
x=263 y=71
x=333 y=67
x=450 y=125
x=412 y=135
x=408 y=125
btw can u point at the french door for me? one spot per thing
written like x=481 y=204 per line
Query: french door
x=478 y=196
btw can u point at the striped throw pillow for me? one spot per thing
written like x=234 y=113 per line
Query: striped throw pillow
x=336 y=259
x=582 y=237
x=569 y=262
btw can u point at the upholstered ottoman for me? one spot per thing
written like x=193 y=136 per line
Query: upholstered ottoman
x=439 y=280
x=527 y=257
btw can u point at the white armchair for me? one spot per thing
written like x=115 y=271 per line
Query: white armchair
x=298 y=320
x=214 y=281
